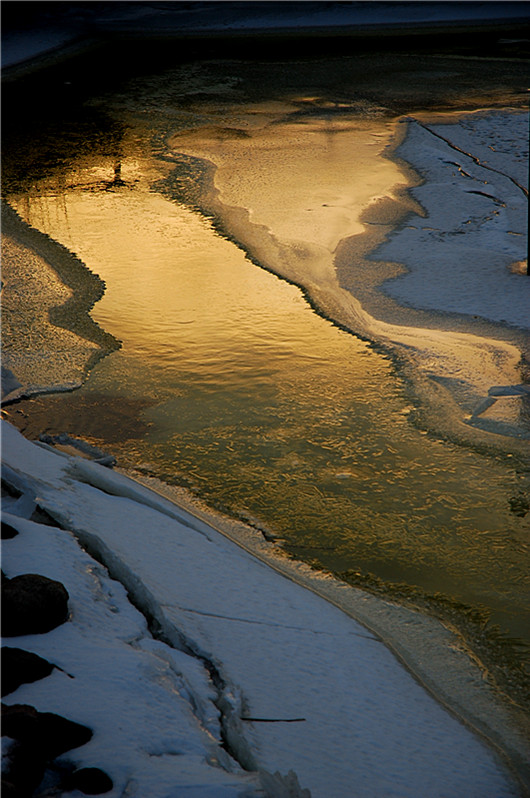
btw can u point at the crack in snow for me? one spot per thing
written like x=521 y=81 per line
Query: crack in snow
x=474 y=158
x=489 y=196
x=265 y=623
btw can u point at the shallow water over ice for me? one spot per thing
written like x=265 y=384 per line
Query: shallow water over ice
x=229 y=384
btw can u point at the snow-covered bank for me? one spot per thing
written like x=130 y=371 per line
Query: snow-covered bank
x=468 y=253
x=461 y=256
x=327 y=698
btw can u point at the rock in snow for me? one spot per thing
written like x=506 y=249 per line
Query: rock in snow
x=32 y=604
x=21 y=667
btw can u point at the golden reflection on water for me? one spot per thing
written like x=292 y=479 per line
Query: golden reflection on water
x=270 y=412
x=157 y=260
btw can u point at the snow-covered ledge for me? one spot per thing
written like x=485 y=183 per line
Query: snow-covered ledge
x=242 y=673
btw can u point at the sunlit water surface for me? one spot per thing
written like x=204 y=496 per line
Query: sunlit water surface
x=230 y=384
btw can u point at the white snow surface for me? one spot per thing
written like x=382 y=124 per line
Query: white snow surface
x=349 y=718
x=460 y=256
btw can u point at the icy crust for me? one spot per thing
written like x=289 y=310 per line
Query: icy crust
x=42 y=356
x=49 y=341
x=466 y=254
x=291 y=682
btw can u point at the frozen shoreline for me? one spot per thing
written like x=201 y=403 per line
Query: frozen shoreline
x=467 y=256
x=264 y=635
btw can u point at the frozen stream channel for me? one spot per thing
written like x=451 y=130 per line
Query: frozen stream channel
x=374 y=425
x=229 y=384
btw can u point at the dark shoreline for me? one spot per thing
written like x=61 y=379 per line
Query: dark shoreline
x=499 y=38
x=115 y=51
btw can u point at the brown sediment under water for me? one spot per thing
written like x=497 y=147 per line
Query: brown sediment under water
x=229 y=384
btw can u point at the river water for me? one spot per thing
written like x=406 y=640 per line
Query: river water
x=229 y=384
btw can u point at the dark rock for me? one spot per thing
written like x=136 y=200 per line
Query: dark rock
x=519 y=505
x=20 y=667
x=32 y=604
x=22 y=771
x=9 y=789
x=8 y=531
x=45 y=734
x=91 y=781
